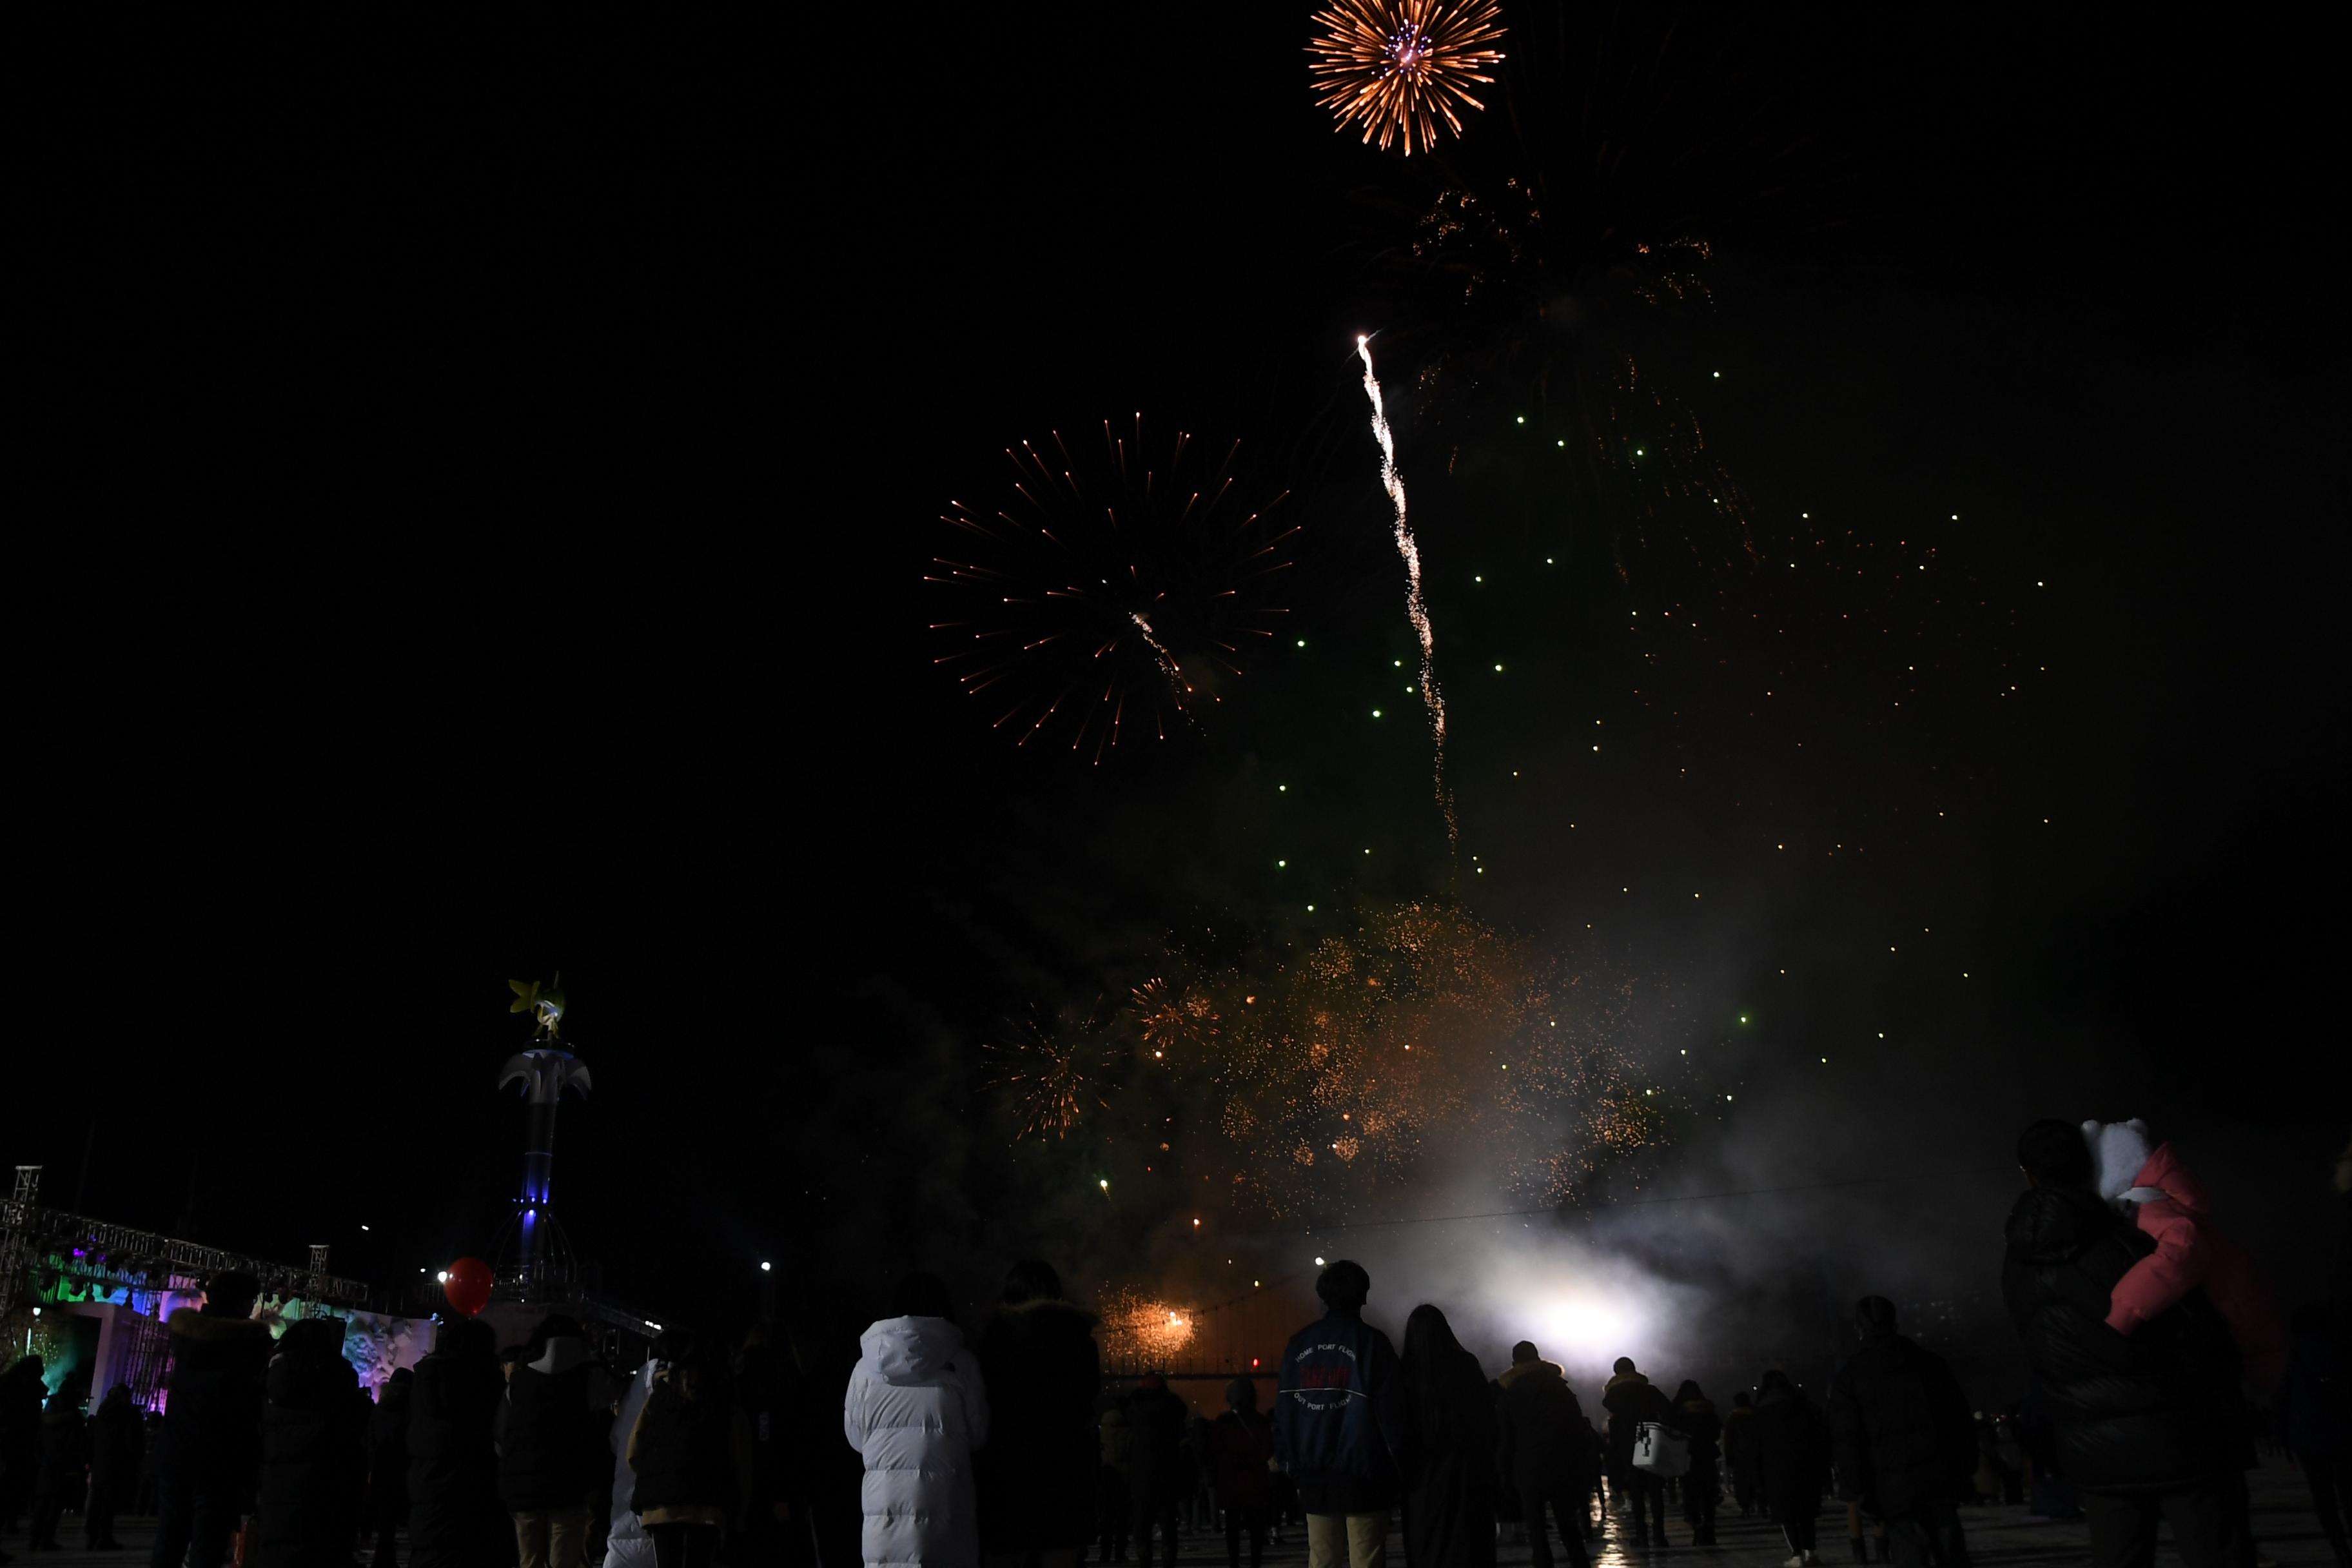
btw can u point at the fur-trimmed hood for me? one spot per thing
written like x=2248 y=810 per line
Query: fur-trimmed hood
x=1519 y=1369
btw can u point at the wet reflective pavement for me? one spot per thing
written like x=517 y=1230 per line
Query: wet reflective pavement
x=1998 y=1537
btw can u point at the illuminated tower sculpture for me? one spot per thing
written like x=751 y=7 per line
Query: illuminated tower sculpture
x=545 y=1071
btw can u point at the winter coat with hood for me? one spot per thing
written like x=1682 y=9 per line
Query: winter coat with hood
x=1546 y=1442
x=212 y=1416
x=1631 y=1399
x=313 y=1452
x=1038 y=1474
x=1339 y=1418
x=550 y=1448
x=2192 y=1253
x=454 y=1518
x=1901 y=1428
x=916 y=1413
x=2152 y=1412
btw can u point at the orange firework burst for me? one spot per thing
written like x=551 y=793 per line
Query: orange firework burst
x=1051 y=1082
x=1398 y=65
x=1139 y=1332
x=1112 y=593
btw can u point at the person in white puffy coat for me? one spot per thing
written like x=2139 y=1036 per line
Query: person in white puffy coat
x=915 y=1412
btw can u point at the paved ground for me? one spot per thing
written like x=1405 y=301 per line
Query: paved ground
x=1998 y=1537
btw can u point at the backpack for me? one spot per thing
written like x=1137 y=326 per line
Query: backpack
x=1661 y=1451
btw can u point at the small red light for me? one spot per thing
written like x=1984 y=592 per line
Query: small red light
x=1252 y=1361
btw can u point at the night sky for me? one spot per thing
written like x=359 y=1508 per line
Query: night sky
x=482 y=486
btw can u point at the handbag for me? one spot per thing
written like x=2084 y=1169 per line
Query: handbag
x=1659 y=1450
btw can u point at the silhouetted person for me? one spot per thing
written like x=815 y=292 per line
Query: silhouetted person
x=2315 y=1419
x=117 y=1434
x=1240 y=1445
x=1631 y=1400
x=1155 y=1429
x=22 y=1394
x=916 y=1411
x=1116 y=1447
x=1448 y=1460
x=1037 y=1477
x=684 y=1453
x=454 y=1517
x=1741 y=1455
x=65 y=1451
x=1695 y=1418
x=208 y=1450
x=2143 y=1426
x=1549 y=1457
x=313 y=1452
x=1339 y=1423
x=387 y=1440
x=1793 y=1442
x=549 y=1447
x=1905 y=1441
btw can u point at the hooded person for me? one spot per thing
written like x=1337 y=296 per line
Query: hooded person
x=916 y=1413
x=1904 y=1439
x=2141 y=1426
x=313 y=1452
x=209 y=1448
x=1448 y=1460
x=1155 y=1458
x=549 y=1445
x=1339 y=1423
x=65 y=1451
x=1793 y=1442
x=1035 y=1480
x=387 y=1441
x=1695 y=1418
x=1547 y=1452
x=2169 y=1206
x=1631 y=1400
x=117 y=1435
x=454 y=1517
x=1240 y=1465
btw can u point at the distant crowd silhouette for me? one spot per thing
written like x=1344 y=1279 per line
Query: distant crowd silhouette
x=2155 y=1354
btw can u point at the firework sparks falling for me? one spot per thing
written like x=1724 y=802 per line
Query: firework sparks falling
x=1399 y=66
x=1113 y=591
x=1141 y=1330
x=1415 y=611
x=1051 y=1082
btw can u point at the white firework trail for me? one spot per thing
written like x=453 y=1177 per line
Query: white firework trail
x=1415 y=611
x=1176 y=686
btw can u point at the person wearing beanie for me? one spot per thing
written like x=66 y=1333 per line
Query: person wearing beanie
x=1339 y=1423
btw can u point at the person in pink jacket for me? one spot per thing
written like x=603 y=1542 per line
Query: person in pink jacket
x=2171 y=1209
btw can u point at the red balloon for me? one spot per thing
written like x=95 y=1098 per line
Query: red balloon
x=469 y=1285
